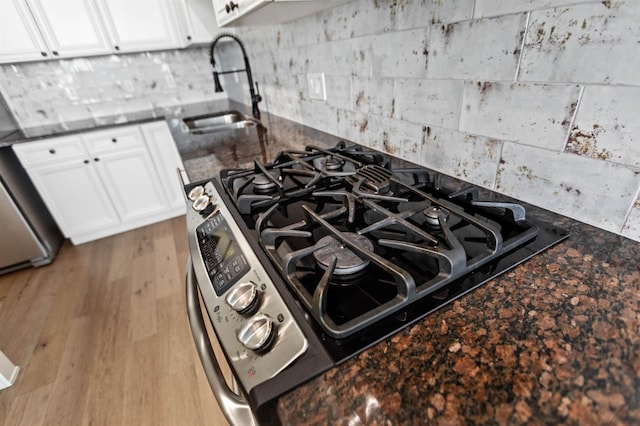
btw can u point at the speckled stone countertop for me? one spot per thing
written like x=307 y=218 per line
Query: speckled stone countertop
x=31 y=134
x=555 y=340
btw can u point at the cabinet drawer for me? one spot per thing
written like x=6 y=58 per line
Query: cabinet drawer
x=50 y=151
x=114 y=140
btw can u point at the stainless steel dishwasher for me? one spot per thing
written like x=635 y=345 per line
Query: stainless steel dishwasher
x=30 y=237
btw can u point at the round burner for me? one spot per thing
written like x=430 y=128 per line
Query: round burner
x=431 y=213
x=348 y=261
x=333 y=163
x=262 y=184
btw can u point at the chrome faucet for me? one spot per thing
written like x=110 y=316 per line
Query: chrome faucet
x=255 y=94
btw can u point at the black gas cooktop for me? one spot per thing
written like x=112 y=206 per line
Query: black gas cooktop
x=367 y=248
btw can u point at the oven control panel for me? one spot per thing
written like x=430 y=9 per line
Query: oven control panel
x=252 y=322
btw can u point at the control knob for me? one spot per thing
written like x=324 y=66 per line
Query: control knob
x=243 y=298
x=258 y=334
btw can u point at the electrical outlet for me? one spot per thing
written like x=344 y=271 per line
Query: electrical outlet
x=317 y=89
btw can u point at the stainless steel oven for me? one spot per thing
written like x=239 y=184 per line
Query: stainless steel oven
x=306 y=261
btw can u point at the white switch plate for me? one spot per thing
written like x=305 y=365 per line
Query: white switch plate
x=317 y=89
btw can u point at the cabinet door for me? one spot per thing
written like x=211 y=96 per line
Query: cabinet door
x=75 y=196
x=135 y=25
x=19 y=36
x=71 y=27
x=167 y=159
x=230 y=10
x=132 y=183
x=201 y=18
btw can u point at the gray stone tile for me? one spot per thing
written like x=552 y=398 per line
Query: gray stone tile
x=592 y=191
x=430 y=102
x=483 y=49
x=338 y=91
x=351 y=57
x=589 y=43
x=484 y=8
x=353 y=126
x=607 y=125
x=398 y=138
x=469 y=157
x=319 y=115
x=359 y=18
x=382 y=97
x=401 y=54
x=532 y=114
x=415 y=14
x=631 y=228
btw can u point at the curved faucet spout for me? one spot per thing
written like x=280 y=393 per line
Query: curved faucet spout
x=255 y=94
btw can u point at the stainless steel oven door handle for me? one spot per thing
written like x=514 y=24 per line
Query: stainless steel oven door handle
x=234 y=407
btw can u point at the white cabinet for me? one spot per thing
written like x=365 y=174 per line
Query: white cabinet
x=165 y=155
x=199 y=20
x=100 y=183
x=20 y=39
x=70 y=27
x=267 y=12
x=64 y=176
x=135 y=25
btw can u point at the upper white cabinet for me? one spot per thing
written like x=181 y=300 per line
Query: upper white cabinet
x=267 y=12
x=70 y=27
x=20 y=39
x=135 y=25
x=200 y=20
x=49 y=29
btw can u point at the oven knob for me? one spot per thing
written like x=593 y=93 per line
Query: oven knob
x=201 y=202
x=258 y=334
x=196 y=192
x=243 y=298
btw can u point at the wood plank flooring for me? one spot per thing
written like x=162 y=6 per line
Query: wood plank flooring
x=102 y=337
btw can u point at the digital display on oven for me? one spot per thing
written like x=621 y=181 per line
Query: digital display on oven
x=222 y=257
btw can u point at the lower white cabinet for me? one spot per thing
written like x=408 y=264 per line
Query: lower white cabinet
x=100 y=183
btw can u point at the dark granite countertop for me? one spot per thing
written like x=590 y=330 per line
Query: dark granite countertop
x=31 y=134
x=555 y=340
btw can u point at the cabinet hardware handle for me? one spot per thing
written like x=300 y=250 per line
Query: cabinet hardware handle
x=55 y=52
x=96 y=159
x=234 y=5
x=52 y=151
x=227 y=8
x=43 y=53
x=189 y=38
x=86 y=161
x=114 y=140
x=117 y=47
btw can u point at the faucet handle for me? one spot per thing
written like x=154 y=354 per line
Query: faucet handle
x=258 y=97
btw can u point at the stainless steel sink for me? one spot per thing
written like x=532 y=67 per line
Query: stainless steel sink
x=227 y=120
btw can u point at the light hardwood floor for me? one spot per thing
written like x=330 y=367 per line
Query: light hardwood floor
x=102 y=338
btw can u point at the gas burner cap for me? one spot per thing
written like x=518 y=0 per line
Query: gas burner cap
x=262 y=184
x=348 y=262
x=431 y=213
x=333 y=163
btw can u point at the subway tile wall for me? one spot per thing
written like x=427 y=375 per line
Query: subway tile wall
x=537 y=99
x=62 y=92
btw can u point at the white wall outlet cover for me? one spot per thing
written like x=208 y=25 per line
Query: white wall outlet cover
x=317 y=89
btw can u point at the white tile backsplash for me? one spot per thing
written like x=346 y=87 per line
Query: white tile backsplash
x=607 y=125
x=469 y=157
x=429 y=102
x=418 y=14
x=401 y=54
x=588 y=43
x=593 y=191
x=532 y=114
x=483 y=49
x=400 y=75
